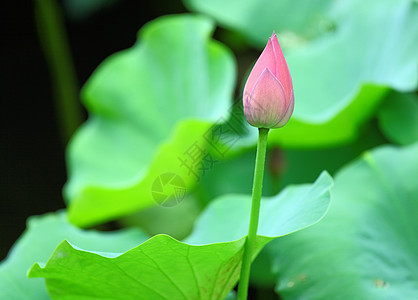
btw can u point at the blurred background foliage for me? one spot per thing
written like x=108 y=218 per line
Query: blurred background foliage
x=354 y=68
x=32 y=165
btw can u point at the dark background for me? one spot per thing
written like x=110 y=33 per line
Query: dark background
x=32 y=170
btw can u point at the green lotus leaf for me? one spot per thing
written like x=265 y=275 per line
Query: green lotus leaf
x=206 y=266
x=256 y=19
x=37 y=243
x=150 y=107
x=366 y=247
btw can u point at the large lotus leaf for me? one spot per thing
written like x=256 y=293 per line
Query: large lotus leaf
x=283 y=166
x=206 y=267
x=366 y=247
x=37 y=243
x=398 y=118
x=340 y=78
x=149 y=107
x=256 y=19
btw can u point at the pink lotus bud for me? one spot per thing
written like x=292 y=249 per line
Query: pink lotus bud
x=268 y=93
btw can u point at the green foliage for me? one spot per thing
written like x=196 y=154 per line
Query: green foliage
x=176 y=221
x=37 y=243
x=398 y=118
x=147 y=105
x=339 y=78
x=353 y=65
x=237 y=177
x=206 y=267
x=256 y=19
x=366 y=246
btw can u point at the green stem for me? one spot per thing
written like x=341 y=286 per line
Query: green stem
x=255 y=211
x=56 y=48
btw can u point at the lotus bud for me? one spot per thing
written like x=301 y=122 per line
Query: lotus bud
x=268 y=94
